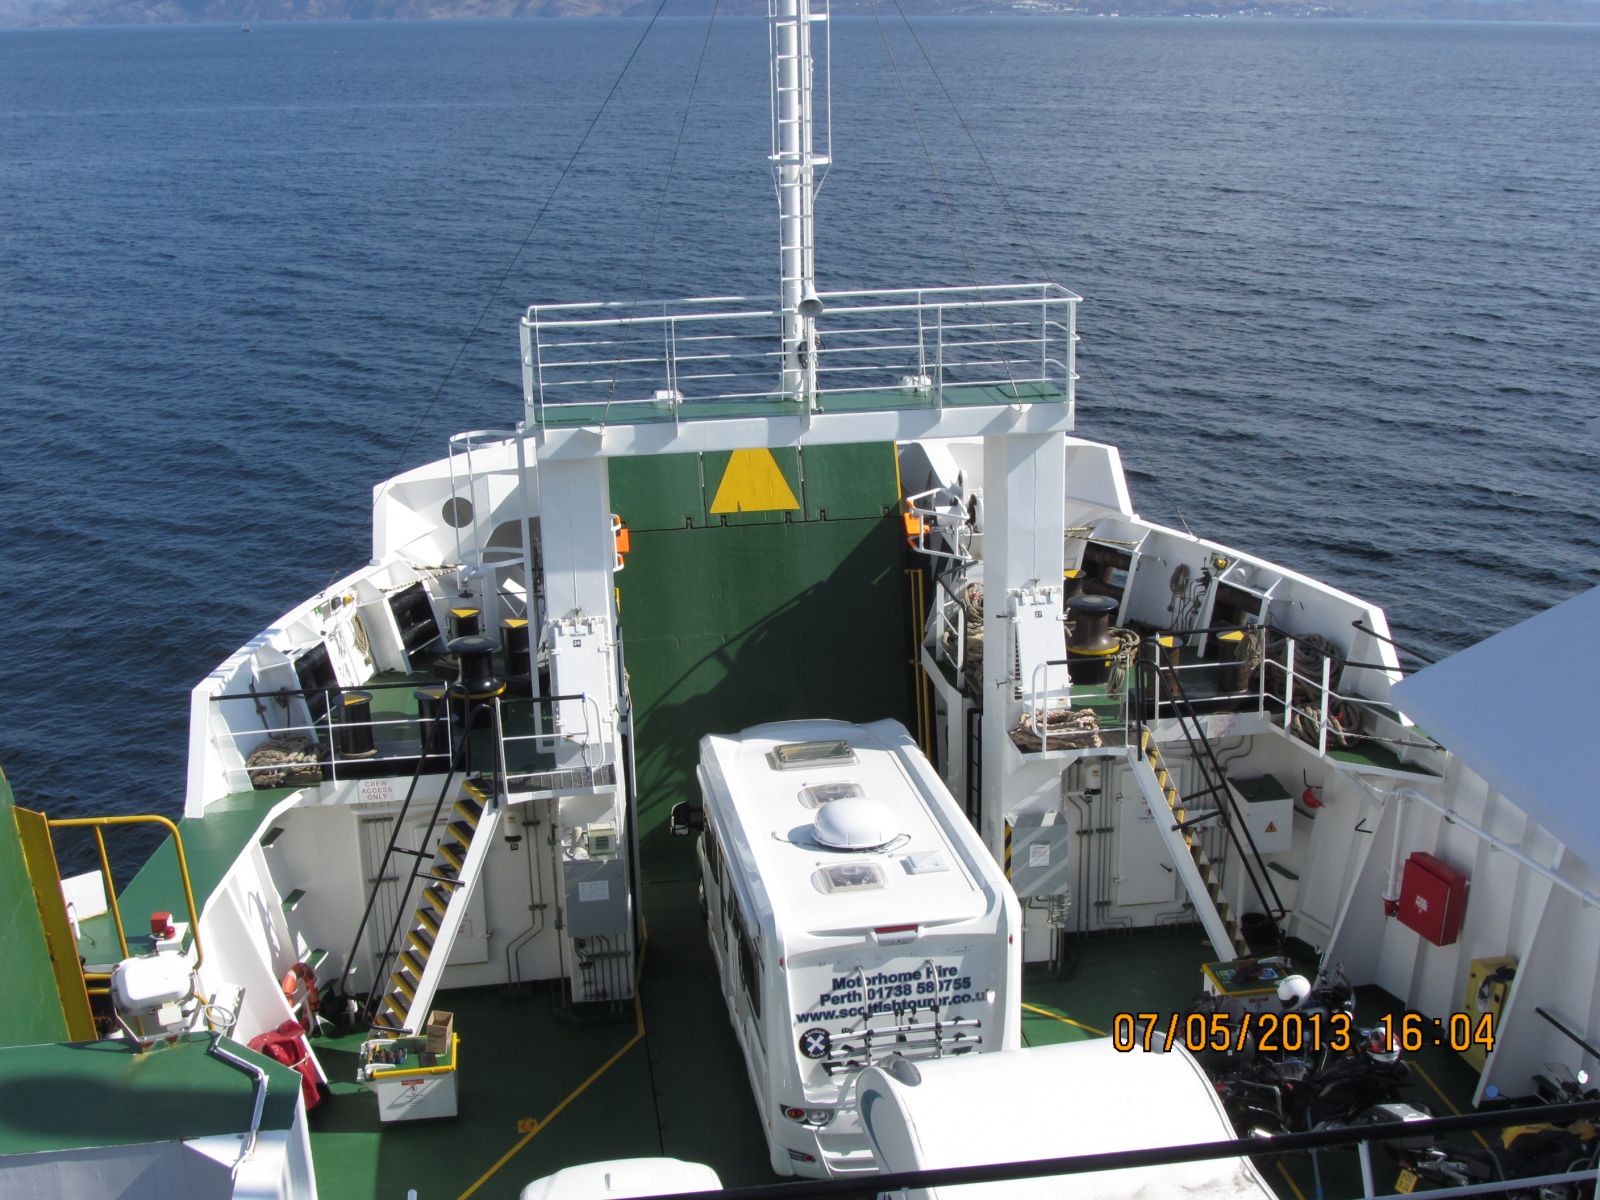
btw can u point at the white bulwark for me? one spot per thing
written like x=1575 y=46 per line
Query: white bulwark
x=854 y=914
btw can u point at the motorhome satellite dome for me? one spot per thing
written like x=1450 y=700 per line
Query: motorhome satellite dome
x=855 y=824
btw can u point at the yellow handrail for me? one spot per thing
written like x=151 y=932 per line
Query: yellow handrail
x=455 y=1046
x=111 y=891
x=921 y=700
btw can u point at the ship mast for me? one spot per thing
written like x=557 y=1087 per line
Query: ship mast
x=795 y=162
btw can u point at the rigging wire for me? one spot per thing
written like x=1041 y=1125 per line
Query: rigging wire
x=999 y=189
x=944 y=196
x=962 y=121
x=494 y=292
x=666 y=188
x=527 y=237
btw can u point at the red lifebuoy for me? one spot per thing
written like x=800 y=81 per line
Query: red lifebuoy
x=300 y=987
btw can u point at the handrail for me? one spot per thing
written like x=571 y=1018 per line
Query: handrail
x=1382 y=637
x=259 y=1074
x=183 y=869
x=1360 y=1136
x=330 y=728
x=1216 y=784
x=627 y=356
x=1327 y=694
x=410 y=1072
x=374 y=686
x=462 y=749
x=388 y=853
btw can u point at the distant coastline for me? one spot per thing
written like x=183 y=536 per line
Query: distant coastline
x=65 y=13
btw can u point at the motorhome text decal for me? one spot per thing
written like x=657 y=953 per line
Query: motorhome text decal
x=864 y=994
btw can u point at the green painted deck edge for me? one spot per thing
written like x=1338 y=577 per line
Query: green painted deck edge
x=33 y=1004
x=86 y=1094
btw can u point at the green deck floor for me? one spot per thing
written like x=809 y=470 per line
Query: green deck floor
x=117 y=1096
x=539 y=1090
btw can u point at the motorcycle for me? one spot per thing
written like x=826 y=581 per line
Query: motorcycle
x=1526 y=1151
x=1283 y=1095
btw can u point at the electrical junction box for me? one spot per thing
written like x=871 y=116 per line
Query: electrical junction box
x=597 y=897
x=1433 y=899
x=1268 y=813
x=600 y=839
x=1036 y=853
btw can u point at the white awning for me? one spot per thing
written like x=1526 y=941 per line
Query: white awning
x=1522 y=709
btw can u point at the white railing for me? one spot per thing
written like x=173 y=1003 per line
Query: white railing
x=947 y=636
x=943 y=526
x=1305 y=703
x=405 y=737
x=1320 y=700
x=685 y=359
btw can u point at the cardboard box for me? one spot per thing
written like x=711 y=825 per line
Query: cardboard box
x=440 y=1026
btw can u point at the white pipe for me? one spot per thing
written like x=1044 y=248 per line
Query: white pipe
x=260 y=1074
x=1391 y=891
x=1455 y=818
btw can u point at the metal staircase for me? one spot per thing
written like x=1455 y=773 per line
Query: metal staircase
x=456 y=866
x=1179 y=817
x=1202 y=878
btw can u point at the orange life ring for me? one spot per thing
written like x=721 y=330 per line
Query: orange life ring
x=300 y=987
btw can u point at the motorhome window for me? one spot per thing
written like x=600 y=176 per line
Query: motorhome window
x=792 y=755
x=817 y=794
x=749 y=973
x=849 y=877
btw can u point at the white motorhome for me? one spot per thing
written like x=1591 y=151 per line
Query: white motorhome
x=1054 y=1102
x=854 y=913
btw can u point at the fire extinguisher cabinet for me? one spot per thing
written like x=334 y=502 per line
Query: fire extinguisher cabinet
x=1433 y=899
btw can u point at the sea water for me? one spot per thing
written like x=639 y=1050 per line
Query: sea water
x=1342 y=289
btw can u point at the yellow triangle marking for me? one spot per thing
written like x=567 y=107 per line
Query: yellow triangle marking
x=1272 y=827
x=753 y=483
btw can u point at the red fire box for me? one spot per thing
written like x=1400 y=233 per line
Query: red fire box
x=1433 y=899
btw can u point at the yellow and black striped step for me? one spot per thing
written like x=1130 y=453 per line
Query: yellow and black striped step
x=454 y=855
x=468 y=809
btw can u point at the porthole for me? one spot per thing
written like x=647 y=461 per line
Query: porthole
x=457 y=513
